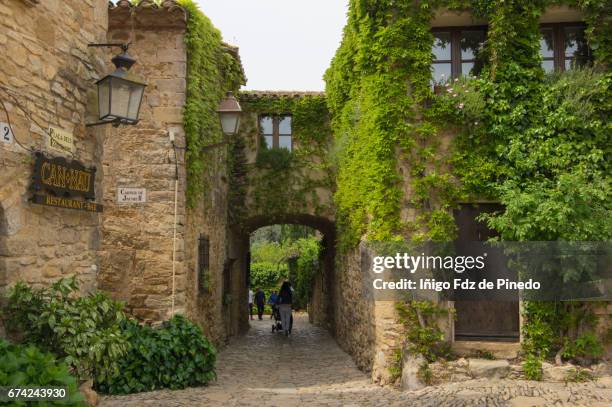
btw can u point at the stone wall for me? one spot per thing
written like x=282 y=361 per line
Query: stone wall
x=209 y=219
x=138 y=256
x=47 y=78
x=137 y=239
x=278 y=191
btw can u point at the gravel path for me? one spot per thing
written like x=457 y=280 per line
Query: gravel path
x=309 y=369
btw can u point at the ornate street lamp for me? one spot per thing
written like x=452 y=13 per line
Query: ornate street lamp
x=119 y=93
x=229 y=113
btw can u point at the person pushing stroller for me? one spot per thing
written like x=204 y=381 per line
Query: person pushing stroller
x=283 y=302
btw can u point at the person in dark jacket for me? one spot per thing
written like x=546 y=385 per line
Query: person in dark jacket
x=284 y=301
x=260 y=301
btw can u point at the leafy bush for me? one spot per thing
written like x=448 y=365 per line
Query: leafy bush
x=586 y=346
x=395 y=366
x=267 y=275
x=578 y=375
x=22 y=366
x=423 y=335
x=307 y=265
x=532 y=366
x=85 y=331
x=561 y=330
x=425 y=374
x=175 y=355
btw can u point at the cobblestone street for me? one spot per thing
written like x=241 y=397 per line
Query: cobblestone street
x=308 y=368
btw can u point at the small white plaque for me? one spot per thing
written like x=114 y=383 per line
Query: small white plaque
x=6 y=135
x=132 y=195
x=60 y=141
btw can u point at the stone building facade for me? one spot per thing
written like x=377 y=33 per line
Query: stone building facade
x=46 y=80
x=128 y=249
x=159 y=256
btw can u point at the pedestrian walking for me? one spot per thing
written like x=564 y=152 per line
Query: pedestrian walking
x=260 y=301
x=284 y=301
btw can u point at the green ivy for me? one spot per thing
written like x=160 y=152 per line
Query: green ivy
x=282 y=183
x=538 y=144
x=211 y=71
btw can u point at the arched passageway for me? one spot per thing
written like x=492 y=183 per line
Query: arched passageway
x=320 y=303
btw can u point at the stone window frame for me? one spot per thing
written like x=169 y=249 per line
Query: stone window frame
x=276 y=135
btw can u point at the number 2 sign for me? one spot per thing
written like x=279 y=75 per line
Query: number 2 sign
x=6 y=135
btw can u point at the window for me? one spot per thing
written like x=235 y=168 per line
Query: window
x=203 y=264
x=456 y=51
x=563 y=46
x=276 y=131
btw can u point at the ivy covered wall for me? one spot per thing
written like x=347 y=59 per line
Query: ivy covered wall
x=536 y=143
x=213 y=68
x=275 y=185
x=379 y=94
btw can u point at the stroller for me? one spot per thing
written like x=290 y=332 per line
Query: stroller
x=277 y=325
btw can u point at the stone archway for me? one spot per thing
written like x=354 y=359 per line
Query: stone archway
x=321 y=310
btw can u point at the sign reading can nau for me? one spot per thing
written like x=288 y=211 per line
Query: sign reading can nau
x=56 y=181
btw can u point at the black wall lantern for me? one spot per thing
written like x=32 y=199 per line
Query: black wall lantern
x=119 y=93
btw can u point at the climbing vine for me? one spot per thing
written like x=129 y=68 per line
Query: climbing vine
x=536 y=143
x=282 y=182
x=211 y=71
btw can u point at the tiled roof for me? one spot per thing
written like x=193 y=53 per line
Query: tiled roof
x=255 y=94
x=164 y=14
x=145 y=4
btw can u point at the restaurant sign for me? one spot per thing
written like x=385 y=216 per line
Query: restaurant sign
x=57 y=182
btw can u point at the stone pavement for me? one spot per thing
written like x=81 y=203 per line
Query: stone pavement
x=309 y=369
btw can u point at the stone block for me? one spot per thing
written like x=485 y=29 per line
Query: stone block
x=488 y=368
x=410 y=369
x=556 y=373
x=168 y=114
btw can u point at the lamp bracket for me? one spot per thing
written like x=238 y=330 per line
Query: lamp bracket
x=122 y=61
x=124 y=46
x=115 y=123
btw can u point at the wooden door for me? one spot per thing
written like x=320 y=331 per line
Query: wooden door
x=482 y=319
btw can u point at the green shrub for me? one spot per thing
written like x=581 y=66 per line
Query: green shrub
x=425 y=374
x=578 y=375
x=28 y=366
x=395 y=367
x=423 y=335
x=84 y=331
x=532 y=366
x=586 y=346
x=267 y=275
x=175 y=355
x=551 y=331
